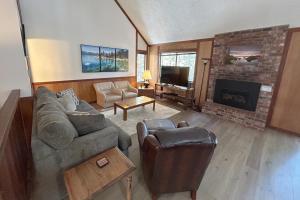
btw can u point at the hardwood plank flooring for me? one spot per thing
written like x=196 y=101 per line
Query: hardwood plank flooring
x=247 y=165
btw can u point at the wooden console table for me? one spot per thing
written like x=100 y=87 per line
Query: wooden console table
x=175 y=93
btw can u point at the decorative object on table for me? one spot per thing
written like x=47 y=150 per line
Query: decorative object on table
x=121 y=60
x=103 y=59
x=90 y=58
x=241 y=55
x=147 y=76
x=102 y=162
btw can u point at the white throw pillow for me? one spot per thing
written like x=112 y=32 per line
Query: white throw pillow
x=68 y=103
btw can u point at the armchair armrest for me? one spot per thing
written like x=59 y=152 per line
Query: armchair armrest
x=100 y=93
x=142 y=132
x=132 y=89
x=151 y=143
x=101 y=96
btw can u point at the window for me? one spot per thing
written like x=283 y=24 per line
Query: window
x=182 y=59
x=141 y=65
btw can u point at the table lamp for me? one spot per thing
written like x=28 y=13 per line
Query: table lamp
x=147 y=76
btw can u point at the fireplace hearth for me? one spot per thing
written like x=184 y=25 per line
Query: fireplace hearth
x=238 y=94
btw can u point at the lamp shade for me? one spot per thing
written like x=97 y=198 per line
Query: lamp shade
x=147 y=75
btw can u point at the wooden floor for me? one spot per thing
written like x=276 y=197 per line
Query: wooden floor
x=247 y=164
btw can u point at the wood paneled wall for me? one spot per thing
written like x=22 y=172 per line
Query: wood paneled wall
x=285 y=113
x=202 y=71
x=14 y=152
x=83 y=88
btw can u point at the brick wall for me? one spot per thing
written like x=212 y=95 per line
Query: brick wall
x=272 y=40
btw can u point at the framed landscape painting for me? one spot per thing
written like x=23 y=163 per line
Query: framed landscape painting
x=243 y=55
x=108 y=59
x=121 y=60
x=90 y=58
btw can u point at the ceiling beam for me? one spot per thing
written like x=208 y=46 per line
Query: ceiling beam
x=124 y=12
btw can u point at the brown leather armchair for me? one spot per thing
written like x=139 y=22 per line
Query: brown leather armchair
x=174 y=159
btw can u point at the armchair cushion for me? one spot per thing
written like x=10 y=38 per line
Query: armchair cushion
x=127 y=89
x=159 y=124
x=181 y=136
x=130 y=94
x=121 y=84
x=113 y=97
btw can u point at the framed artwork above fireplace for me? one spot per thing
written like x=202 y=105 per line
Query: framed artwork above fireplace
x=242 y=55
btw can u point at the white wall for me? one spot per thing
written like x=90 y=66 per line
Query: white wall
x=56 y=28
x=13 y=66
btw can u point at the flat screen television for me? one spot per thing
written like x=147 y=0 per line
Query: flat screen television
x=175 y=75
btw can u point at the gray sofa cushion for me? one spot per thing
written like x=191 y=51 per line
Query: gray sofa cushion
x=67 y=102
x=55 y=129
x=43 y=91
x=85 y=122
x=88 y=145
x=85 y=107
x=44 y=99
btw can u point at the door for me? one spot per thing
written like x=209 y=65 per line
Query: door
x=286 y=113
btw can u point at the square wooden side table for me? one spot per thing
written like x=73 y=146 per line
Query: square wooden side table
x=148 y=92
x=84 y=180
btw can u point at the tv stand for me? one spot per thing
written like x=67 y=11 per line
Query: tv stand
x=180 y=94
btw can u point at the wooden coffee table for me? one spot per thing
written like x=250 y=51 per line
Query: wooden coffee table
x=86 y=179
x=131 y=103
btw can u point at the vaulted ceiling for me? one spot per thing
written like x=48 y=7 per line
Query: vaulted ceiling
x=176 y=20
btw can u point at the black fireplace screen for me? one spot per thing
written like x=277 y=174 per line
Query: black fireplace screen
x=239 y=94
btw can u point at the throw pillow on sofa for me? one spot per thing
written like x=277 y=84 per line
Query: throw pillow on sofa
x=68 y=102
x=71 y=92
x=86 y=122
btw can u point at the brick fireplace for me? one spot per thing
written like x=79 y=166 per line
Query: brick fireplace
x=264 y=74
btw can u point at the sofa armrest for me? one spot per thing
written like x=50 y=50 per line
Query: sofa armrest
x=124 y=140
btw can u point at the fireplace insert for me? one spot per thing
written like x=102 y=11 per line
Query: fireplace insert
x=239 y=94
